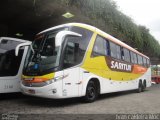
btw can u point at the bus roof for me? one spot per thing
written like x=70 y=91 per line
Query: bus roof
x=98 y=31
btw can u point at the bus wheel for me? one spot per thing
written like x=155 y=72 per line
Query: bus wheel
x=144 y=85
x=91 y=92
x=140 y=87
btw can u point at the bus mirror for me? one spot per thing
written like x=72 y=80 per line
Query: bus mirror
x=21 y=45
x=62 y=34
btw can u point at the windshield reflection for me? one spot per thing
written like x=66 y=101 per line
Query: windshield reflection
x=45 y=55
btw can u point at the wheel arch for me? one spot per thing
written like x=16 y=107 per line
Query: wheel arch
x=97 y=82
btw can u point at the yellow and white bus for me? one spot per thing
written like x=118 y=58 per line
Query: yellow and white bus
x=75 y=60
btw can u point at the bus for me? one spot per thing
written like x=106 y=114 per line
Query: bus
x=79 y=60
x=155 y=76
x=155 y=79
x=10 y=64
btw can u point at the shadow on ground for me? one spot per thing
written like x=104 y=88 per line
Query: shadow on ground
x=45 y=102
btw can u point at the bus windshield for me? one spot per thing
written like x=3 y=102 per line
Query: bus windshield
x=43 y=57
x=9 y=63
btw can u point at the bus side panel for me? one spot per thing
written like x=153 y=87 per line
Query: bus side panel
x=86 y=77
x=111 y=80
x=108 y=85
x=9 y=84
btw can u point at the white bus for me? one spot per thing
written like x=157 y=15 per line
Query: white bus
x=10 y=64
x=75 y=60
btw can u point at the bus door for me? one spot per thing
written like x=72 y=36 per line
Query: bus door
x=71 y=75
x=10 y=66
x=70 y=82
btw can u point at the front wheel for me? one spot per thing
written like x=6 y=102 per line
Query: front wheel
x=91 y=92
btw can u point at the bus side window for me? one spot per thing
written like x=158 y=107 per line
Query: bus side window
x=132 y=57
x=140 y=62
x=144 y=62
x=72 y=52
x=135 y=58
x=118 y=48
x=148 y=62
x=101 y=47
x=126 y=55
x=115 y=51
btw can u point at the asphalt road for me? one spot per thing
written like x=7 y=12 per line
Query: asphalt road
x=128 y=102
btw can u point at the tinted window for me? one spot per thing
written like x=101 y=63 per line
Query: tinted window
x=144 y=61
x=49 y=46
x=140 y=60
x=73 y=53
x=118 y=51
x=115 y=50
x=86 y=36
x=133 y=57
x=101 y=47
x=9 y=63
x=126 y=55
x=148 y=62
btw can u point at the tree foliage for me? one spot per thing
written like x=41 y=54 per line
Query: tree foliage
x=105 y=15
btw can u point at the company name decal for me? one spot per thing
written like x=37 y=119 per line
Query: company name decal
x=121 y=66
x=118 y=65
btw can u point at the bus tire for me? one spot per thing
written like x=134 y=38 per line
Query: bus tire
x=140 y=87
x=144 y=85
x=91 y=92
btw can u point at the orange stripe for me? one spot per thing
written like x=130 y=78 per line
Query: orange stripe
x=139 y=69
x=36 y=80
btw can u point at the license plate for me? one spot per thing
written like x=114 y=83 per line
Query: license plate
x=31 y=91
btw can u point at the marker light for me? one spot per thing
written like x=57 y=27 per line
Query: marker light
x=68 y=15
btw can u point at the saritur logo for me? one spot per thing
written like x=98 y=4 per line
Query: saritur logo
x=121 y=66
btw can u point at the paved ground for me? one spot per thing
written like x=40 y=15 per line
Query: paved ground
x=128 y=102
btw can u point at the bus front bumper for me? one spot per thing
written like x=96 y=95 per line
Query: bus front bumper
x=48 y=91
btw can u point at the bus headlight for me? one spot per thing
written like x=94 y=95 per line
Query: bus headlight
x=54 y=80
x=29 y=81
x=49 y=81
